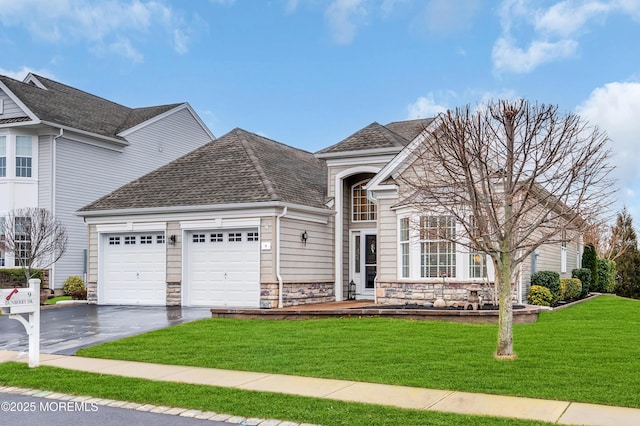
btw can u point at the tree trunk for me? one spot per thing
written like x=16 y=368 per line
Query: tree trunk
x=505 y=317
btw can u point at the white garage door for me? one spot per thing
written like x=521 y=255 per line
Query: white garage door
x=224 y=268
x=134 y=269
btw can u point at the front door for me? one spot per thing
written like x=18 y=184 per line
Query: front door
x=364 y=248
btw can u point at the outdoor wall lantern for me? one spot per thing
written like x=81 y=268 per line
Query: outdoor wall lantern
x=304 y=237
x=172 y=240
x=351 y=294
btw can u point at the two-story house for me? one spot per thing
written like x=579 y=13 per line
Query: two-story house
x=61 y=148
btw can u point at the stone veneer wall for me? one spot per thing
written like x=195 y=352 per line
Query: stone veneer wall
x=295 y=294
x=174 y=294
x=92 y=292
x=394 y=293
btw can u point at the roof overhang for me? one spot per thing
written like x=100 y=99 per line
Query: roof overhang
x=359 y=153
x=172 y=212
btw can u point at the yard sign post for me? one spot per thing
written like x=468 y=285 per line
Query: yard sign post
x=18 y=301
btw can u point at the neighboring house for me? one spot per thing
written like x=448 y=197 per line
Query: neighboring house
x=61 y=148
x=249 y=222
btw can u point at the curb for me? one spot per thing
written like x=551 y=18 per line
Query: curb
x=174 y=411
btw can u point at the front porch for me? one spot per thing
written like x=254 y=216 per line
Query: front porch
x=366 y=308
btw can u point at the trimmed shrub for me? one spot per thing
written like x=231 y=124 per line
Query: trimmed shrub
x=570 y=288
x=584 y=275
x=590 y=261
x=550 y=280
x=606 y=275
x=79 y=295
x=539 y=295
x=72 y=284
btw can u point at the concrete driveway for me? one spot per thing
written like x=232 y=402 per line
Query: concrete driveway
x=64 y=330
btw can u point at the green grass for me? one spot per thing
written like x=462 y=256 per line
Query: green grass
x=589 y=352
x=56 y=299
x=232 y=401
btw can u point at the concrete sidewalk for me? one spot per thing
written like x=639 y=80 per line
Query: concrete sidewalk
x=561 y=412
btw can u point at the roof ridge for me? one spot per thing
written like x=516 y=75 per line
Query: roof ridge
x=268 y=185
x=74 y=89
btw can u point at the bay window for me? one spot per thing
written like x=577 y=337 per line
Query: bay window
x=427 y=251
x=3 y=156
x=404 y=247
x=23 y=156
x=437 y=252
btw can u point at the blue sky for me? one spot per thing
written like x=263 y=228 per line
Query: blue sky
x=311 y=72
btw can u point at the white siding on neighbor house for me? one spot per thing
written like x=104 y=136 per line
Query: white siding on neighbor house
x=10 y=109
x=44 y=171
x=85 y=173
x=312 y=262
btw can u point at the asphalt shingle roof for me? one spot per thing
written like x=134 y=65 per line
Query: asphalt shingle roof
x=70 y=107
x=394 y=135
x=239 y=167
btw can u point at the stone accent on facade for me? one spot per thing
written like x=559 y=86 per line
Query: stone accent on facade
x=92 y=292
x=174 y=293
x=295 y=294
x=398 y=293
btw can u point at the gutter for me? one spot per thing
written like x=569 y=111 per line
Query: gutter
x=280 y=281
x=52 y=271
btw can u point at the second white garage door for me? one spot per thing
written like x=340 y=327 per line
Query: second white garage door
x=223 y=268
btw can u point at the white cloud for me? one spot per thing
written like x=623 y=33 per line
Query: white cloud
x=343 y=18
x=124 y=48
x=424 y=107
x=511 y=58
x=22 y=73
x=99 y=24
x=555 y=30
x=615 y=108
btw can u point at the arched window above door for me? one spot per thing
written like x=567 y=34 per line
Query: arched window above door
x=361 y=208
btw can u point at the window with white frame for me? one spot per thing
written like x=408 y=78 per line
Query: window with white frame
x=362 y=209
x=23 y=240
x=437 y=251
x=563 y=252
x=477 y=259
x=23 y=156
x=3 y=156
x=2 y=237
x=405 y=254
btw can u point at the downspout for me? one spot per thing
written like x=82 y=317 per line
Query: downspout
x=52 y=171
x=280 y=282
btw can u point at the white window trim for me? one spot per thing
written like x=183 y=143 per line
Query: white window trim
x=462 y=256
x=353 y=212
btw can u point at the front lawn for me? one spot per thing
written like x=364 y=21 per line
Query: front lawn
x=589 y=352
x=233 y=401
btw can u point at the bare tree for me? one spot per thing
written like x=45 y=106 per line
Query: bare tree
x=34 y=237
x=612 y=240
x=514 y=176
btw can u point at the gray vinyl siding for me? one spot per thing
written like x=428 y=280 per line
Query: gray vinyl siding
x=174 y=253
x=92 y=273
x=44 y=172
x=267 y=266
x=11 y=109
x=85 y=173
x=312 y=262
x=387 y=241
